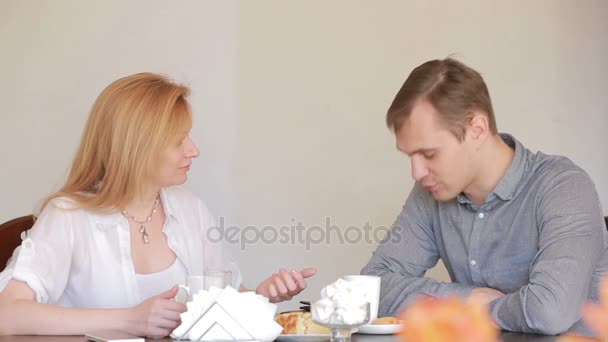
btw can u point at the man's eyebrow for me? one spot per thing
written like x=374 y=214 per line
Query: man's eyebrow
x=419 y=150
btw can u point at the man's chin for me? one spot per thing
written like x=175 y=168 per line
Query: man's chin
x=442 y=196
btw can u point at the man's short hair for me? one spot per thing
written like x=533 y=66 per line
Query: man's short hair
x=453 y=88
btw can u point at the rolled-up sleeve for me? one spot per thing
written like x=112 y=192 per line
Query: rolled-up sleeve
x=571 y=243
x=43 y=260
x=404 y=256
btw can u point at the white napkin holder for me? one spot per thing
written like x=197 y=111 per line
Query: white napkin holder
x=228 y=315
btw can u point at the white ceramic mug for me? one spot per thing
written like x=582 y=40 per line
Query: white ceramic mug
x=371 y=284
x=209 y=279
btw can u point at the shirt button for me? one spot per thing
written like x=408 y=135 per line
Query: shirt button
x=473 y=262
x=481 y=215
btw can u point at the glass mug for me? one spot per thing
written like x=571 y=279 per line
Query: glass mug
x=196 y=283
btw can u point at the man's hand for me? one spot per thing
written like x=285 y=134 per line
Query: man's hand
x=284 y=285
x=484 y=295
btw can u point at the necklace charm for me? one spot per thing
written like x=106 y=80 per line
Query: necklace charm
x=144 y=234
x=142 y=224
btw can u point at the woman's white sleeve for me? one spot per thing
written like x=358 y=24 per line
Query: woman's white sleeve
x=43 y=260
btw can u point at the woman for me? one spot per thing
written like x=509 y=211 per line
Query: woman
x=109 y=248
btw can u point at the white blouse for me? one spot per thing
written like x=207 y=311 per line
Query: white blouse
x=76 y=258
x=153 y=284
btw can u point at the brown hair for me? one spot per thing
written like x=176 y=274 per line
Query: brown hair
x=451 y=87
x=131 y=124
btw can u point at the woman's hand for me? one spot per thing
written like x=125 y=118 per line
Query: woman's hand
x=157 y=316
x=285 y=284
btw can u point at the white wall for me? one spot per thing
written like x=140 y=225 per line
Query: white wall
x=56 y=58
x=316 y=79
x=290 y=99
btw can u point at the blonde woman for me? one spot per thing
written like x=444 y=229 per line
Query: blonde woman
x=109 y=248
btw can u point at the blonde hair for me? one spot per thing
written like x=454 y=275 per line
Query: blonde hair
x=131 y=124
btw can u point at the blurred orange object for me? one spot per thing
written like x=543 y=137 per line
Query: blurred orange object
x=596 y=315
x=447 y=319
x=573 y=338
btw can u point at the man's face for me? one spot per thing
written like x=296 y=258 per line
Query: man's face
x=441 y=163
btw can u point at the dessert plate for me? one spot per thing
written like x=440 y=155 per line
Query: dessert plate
x=379 y=329
x=304 y=337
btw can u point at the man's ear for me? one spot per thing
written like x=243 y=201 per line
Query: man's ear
x=478 y=126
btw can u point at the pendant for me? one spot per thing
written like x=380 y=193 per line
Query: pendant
x=144 y=234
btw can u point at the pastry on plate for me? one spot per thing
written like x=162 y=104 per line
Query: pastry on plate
x=299 y=322
x=386 y=320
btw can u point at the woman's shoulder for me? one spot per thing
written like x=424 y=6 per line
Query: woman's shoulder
x=62 y=203
x=69 y=207
x=61 y=213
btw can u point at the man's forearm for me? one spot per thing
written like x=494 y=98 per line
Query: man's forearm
x=531 y=311
x=398 y=290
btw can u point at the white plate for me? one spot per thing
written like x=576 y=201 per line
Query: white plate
x=304 y=337
x=379 y=329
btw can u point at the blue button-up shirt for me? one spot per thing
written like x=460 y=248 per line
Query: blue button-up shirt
x=540 y=238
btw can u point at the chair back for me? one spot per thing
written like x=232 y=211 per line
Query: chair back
x=10 y=236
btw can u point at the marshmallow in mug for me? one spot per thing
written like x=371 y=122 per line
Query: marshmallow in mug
x=345 y=302
x=371 y=291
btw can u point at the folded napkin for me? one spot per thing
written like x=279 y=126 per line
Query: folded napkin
x=228 y=315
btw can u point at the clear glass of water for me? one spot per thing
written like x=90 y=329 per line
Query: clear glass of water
x=216 y=278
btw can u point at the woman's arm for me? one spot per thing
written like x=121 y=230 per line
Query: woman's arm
x=284 y=285
x=21 y=314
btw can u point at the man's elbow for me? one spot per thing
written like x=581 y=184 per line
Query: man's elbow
x=369 y=271
x=373 y=269
x=549 y=320
x=377 y=266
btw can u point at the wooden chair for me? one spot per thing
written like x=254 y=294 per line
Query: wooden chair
x=10 y=236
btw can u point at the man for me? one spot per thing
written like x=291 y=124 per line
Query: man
x=520 y=231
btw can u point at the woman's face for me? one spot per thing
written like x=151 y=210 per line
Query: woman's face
x=175 y=162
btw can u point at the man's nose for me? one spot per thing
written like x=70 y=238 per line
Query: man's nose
x=419 y=168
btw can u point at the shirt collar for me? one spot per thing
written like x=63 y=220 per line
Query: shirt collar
x=168 y=204
x=508 y=184
x=106 y=221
